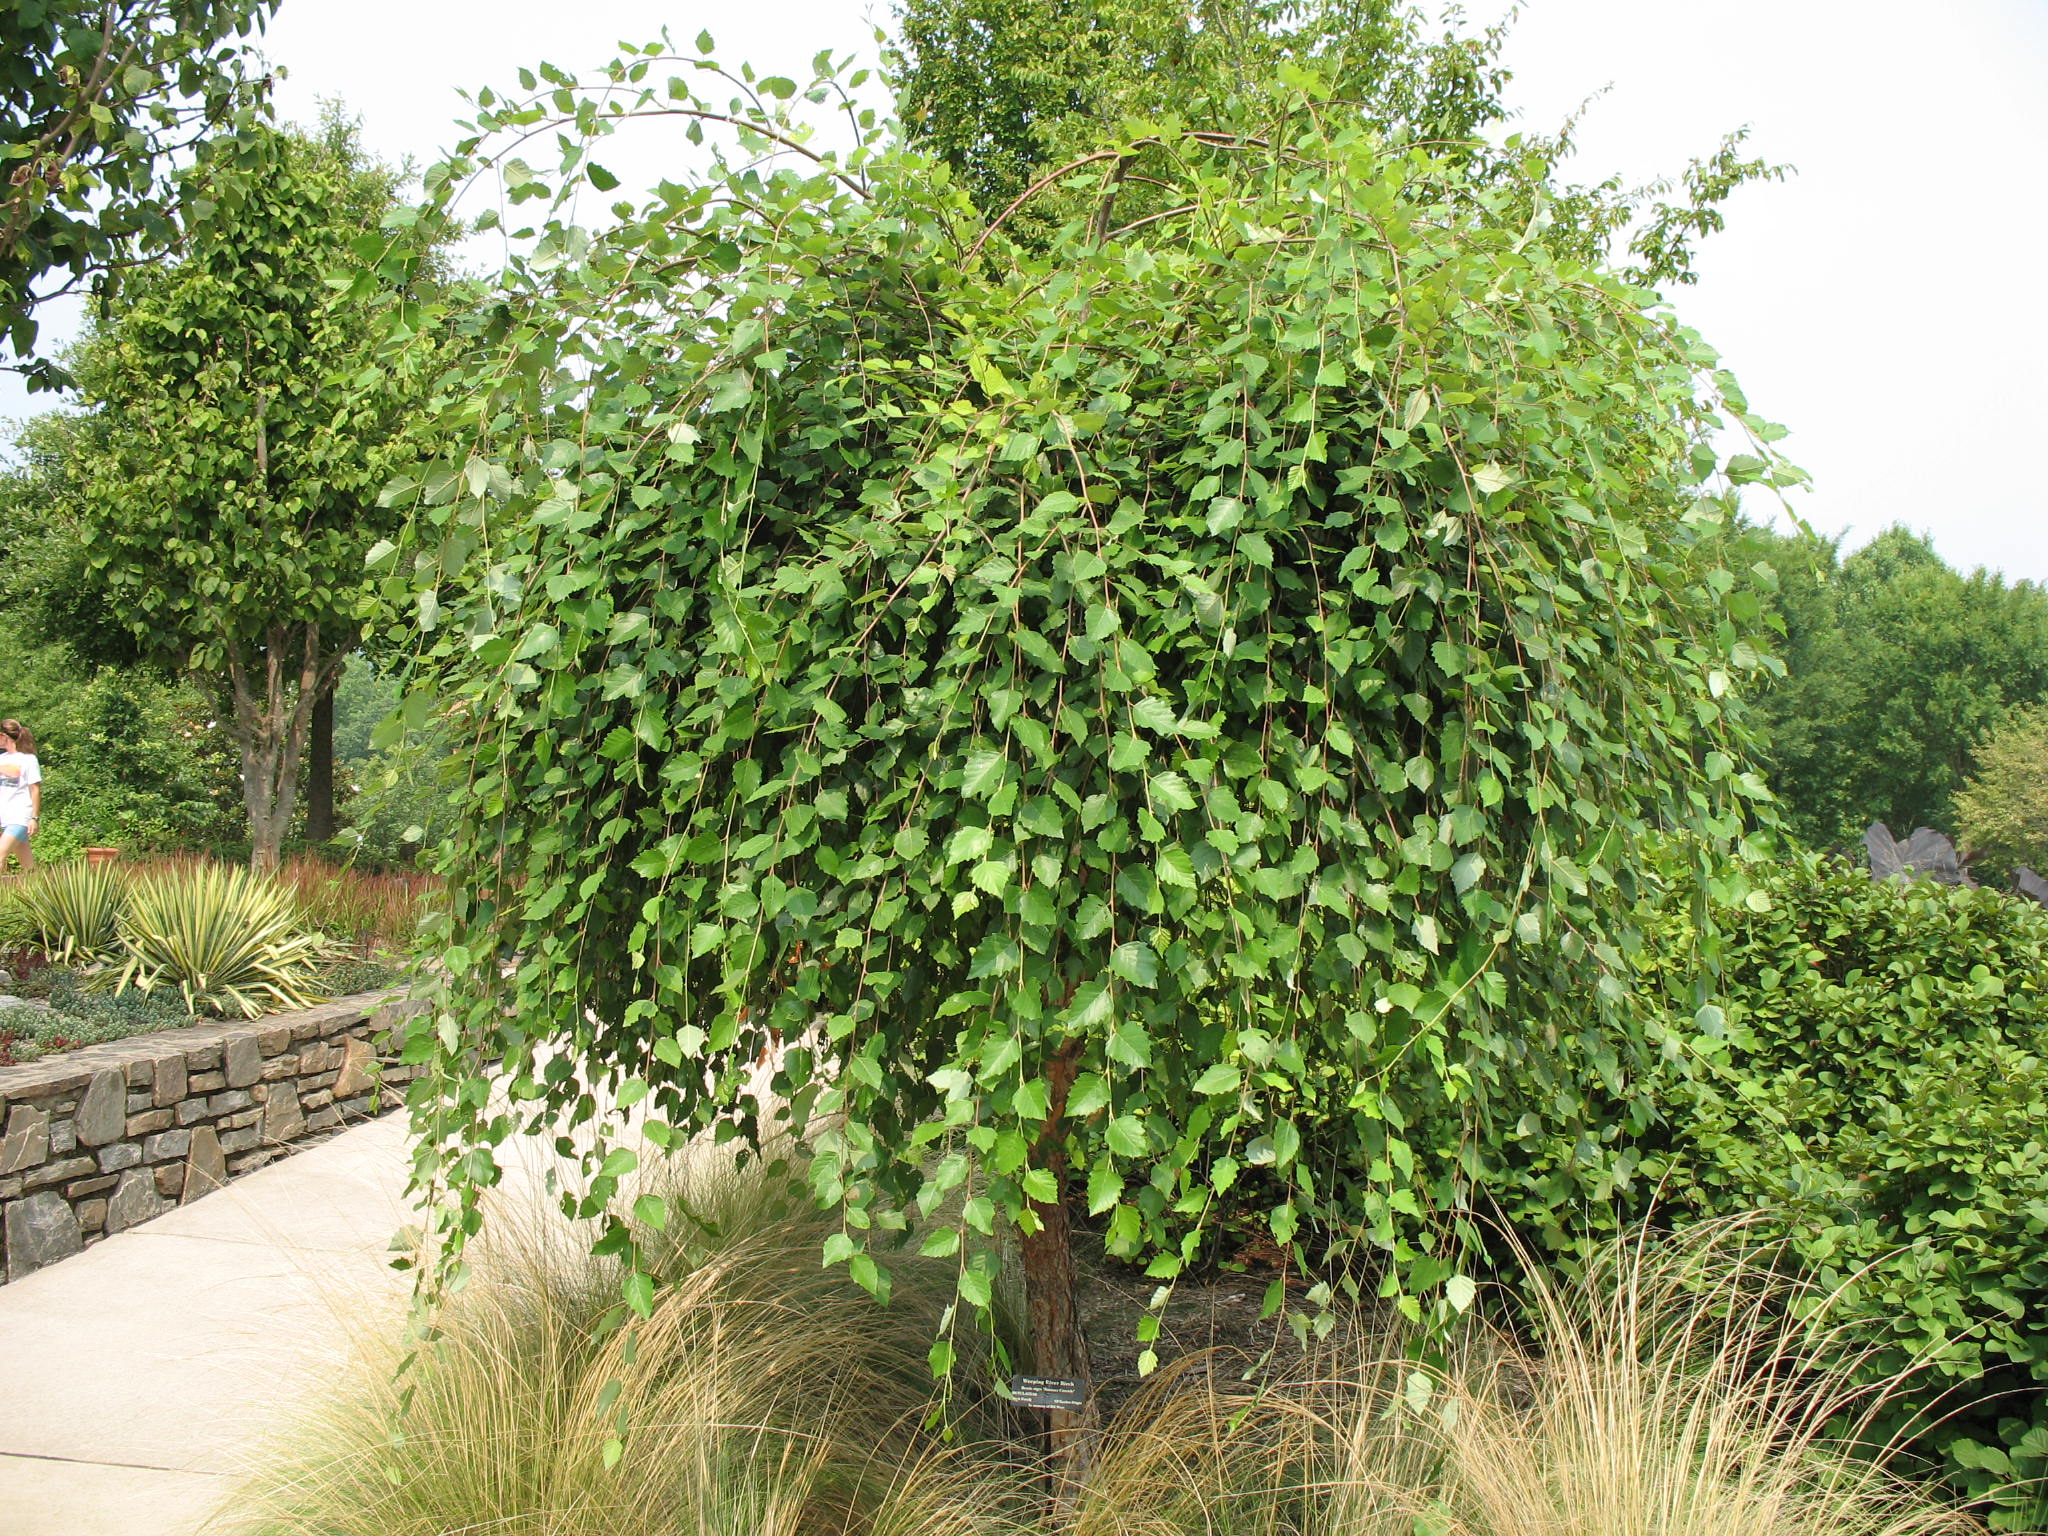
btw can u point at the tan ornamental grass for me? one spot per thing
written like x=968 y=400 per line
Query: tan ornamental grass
x=766 y=1396
x=1679 y=1389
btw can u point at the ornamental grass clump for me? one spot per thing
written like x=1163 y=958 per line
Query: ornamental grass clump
x=229 y=942
x=759 y=1395
x=1671 y=1391
x=370 y=912
x=1676 y=1389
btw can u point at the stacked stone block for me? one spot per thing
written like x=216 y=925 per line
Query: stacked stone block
x=103 y=1138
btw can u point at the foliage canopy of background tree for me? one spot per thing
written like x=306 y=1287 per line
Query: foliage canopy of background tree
x=2002 y=812
x=240 y=413
x=1897 y=667
x=98 y=98
x=1005 y=91
x=1057 y=701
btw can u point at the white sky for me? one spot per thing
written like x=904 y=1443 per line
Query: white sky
x=1887 y=304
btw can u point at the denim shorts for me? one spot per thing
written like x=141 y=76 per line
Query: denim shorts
x=18 y=833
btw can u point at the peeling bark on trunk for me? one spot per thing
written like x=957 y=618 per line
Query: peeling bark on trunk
x=1051 y=1299
x=275 y=686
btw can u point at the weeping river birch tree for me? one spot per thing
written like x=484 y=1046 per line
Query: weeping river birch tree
x=1152 y=720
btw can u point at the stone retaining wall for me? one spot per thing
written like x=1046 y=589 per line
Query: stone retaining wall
x=102 y=1138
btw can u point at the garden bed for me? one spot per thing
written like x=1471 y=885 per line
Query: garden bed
x=105 y=1137
x=46 y=1009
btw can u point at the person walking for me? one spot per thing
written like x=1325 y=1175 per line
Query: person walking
x=21 y=793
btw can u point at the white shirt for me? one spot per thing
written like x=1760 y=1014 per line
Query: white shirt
x=18 y=770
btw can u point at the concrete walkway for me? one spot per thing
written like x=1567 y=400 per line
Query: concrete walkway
x=135 y=1377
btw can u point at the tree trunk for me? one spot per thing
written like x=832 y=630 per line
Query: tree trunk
x=320 y=769
x=1052 y=1309
x=275 y=686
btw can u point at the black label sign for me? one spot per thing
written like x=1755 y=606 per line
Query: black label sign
x=1047 y=1391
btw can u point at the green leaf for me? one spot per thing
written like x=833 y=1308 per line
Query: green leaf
x=1176 y=867
x=1091 y=1007
x=1170 y=792
x=638 y=1290
x=1466 y=871
x=1129 y=1044
x=1155 y=714
x=984 y=771
x=651 y=1211
x=1136 y=963
x=1491 y=479
x=968 y=843
x=1105 y=1188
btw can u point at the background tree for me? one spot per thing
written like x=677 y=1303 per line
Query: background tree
x=243 y=410
x=1897 y=668
x=2002 y=811
x=98 y=100
x=1160 y=713
x=132 y=752
x=1006 y=91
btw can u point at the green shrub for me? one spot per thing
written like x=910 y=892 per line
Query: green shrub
x=230 y=942
x=397 y=803
x=130 y=762
x=1872 y=1073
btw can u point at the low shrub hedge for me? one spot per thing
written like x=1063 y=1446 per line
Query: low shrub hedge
x=1869 y=1071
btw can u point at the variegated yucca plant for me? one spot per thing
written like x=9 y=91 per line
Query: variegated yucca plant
x=72 y=912
x=231 y=942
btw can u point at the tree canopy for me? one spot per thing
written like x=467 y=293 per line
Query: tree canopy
x=1897 y=667
x=1174 y=708
x=98 y=99
x=1006 y=91
x=2002 y=811
x=240 y=413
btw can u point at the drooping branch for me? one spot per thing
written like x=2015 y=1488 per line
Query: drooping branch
x=1197 y=136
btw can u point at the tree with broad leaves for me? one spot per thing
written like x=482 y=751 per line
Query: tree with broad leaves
x=99 y=99
x=2002 y=811
x=1157 y=720
x=1898 y=668
x=243 y=405
x=1005 y=91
